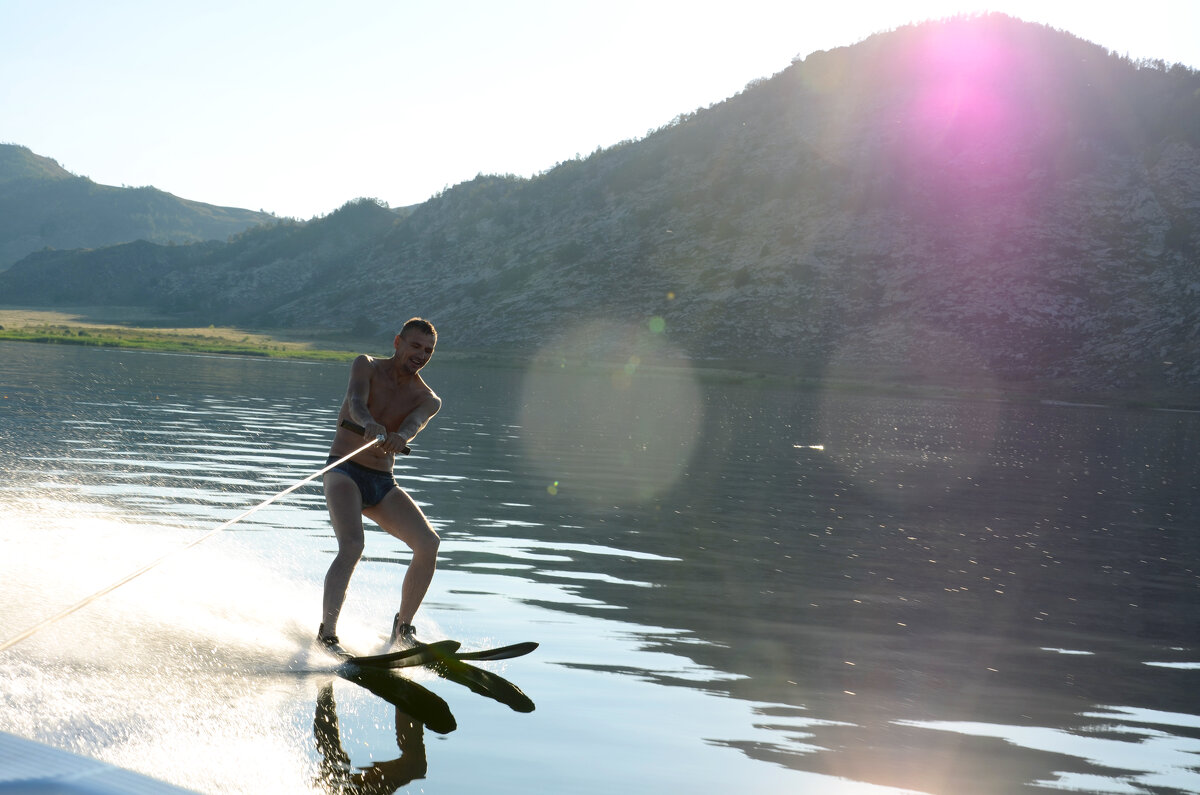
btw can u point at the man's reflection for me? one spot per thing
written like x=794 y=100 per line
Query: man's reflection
x=416 y=709
x=381 y=778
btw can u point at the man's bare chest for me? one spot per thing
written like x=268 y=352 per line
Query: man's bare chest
x=391 y=404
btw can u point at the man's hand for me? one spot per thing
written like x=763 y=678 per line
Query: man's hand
x=382 y=438
x=387 y=442
x=394 y=443
x=373 y=430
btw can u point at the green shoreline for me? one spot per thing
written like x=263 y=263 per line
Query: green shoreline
x=146 y=339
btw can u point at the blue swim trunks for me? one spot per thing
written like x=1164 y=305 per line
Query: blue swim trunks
x=373 y=484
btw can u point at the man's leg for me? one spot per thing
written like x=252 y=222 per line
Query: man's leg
x=402 y=518
x=344 y=502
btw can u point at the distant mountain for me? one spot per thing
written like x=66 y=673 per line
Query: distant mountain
x=976 y=201
x=44 y=206
x=211 y=282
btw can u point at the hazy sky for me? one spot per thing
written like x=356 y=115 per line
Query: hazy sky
x=298 y=106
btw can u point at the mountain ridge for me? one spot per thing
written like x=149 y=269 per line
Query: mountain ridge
x=978 y=200
x=42 y=205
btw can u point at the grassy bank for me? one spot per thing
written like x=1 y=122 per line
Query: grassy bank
x=81 y=328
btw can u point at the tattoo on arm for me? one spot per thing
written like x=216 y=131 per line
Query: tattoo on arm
x=358 y=391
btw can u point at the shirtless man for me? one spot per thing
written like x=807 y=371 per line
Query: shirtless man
x=387 y=397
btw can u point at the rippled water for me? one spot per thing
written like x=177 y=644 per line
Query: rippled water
x=735 y=587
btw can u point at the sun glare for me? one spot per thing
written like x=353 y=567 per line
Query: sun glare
x=966 y=101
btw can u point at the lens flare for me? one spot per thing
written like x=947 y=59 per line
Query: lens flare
x=618 y=414
x=886 y=455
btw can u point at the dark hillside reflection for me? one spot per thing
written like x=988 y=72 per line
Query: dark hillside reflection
x=1005 y=566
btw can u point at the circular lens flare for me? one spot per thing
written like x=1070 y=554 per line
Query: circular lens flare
x=612 y=408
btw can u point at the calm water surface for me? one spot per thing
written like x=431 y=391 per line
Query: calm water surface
x=735 y=588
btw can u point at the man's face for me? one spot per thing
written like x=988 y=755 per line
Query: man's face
x=413 y=350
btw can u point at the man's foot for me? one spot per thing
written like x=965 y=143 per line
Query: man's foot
x=403 y=635
x=330 y=644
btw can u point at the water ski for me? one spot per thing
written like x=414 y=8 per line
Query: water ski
x=442 y=650
x=423 y=654
x=499 y=653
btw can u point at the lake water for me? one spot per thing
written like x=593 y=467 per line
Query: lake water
x=736 y=588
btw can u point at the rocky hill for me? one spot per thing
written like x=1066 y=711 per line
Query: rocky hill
x=973 y=201
x=42 y=205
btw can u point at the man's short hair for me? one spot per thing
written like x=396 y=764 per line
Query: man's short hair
x=420 y=324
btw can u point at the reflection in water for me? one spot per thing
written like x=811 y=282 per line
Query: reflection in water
x=416 y=708
x=406 y=696
x=485 y=683
x=337 y=775
x=827 y=593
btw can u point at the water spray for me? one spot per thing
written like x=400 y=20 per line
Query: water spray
x=13 y=641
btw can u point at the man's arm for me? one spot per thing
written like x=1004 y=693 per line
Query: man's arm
x=419 y=417
x=357 y=393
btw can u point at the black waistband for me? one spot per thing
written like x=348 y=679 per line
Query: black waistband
x=357 y=465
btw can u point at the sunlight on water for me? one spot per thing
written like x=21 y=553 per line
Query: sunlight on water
x=160 y=675
x=213 y=594
x=900 y=461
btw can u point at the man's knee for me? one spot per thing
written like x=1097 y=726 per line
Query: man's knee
x=428 y=543
x=350 y=550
